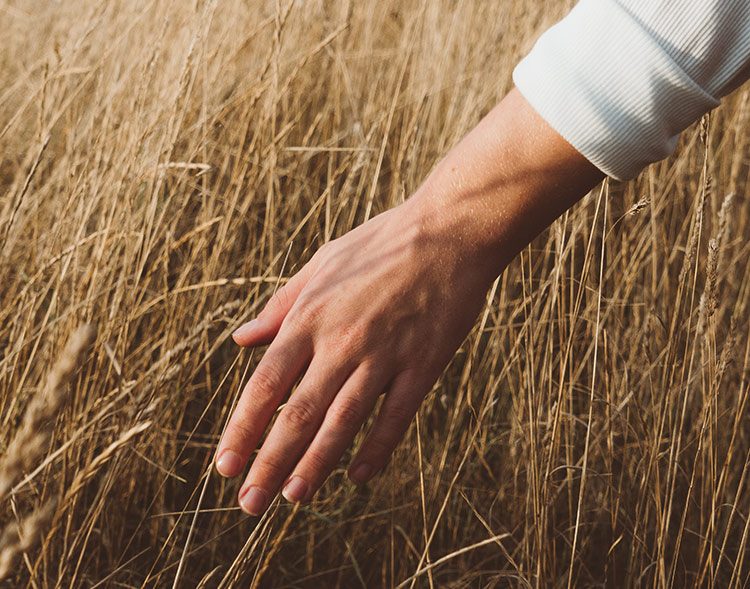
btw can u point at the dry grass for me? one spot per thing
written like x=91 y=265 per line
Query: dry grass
x=165 y=164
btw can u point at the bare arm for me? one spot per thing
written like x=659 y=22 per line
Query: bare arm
x=384 y=308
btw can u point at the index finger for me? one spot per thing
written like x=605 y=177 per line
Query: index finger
x=274 y=377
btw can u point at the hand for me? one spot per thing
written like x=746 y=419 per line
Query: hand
x=380 y=310
x=383 y=308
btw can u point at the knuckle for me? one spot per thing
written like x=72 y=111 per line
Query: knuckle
x=321 y=252
x=319 y=462
x=298 y=415
x=239 y=431
x=347 y=416
x=377 y=448
x=353 y=337
x=398 y=415
x=266 y=379
x=281 y=297
x=270 y=466
x=307 y=313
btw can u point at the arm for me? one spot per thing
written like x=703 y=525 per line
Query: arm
x=384 y=308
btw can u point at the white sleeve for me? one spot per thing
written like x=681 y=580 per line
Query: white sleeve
x=620 y=79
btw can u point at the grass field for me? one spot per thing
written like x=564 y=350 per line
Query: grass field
x=165 y=165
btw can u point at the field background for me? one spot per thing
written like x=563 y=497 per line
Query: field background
x=165 y=164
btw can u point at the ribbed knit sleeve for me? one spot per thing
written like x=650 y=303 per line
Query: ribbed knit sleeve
x=620 y=79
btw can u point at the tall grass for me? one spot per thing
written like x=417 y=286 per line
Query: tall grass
x=165 y=165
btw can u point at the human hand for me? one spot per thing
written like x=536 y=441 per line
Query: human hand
x=383 y=308
x=380 y=310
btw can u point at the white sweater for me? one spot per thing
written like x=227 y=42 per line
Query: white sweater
x=620 y=79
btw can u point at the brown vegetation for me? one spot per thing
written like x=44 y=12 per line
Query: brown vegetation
x=166 y=164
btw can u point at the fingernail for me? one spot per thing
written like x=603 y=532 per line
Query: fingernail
x=295 y=490
x=360 y=473
x=253 y=500
x=246 y=329
x=229 y=463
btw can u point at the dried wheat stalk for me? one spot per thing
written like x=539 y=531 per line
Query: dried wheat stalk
x=33 y=435
x=22 y=536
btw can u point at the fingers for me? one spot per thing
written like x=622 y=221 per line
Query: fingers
x=343 y=420
x=273 y=378
x=399 y=408
x=293 y=430
x=266 y=325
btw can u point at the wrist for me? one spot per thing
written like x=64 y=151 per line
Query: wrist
x=505 y=182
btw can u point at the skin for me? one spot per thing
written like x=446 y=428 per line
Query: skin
x=382 y=309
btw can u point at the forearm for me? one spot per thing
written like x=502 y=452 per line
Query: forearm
x=384 y=307
x=505 y=182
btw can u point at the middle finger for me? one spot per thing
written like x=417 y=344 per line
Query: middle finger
x=295 y=426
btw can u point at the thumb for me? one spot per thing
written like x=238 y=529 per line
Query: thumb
x=266 y=325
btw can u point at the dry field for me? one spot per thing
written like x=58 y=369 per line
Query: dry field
x=164 y=165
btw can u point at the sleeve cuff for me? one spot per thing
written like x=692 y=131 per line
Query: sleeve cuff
x=609 y=89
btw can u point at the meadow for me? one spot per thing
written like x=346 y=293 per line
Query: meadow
x=165 y=166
